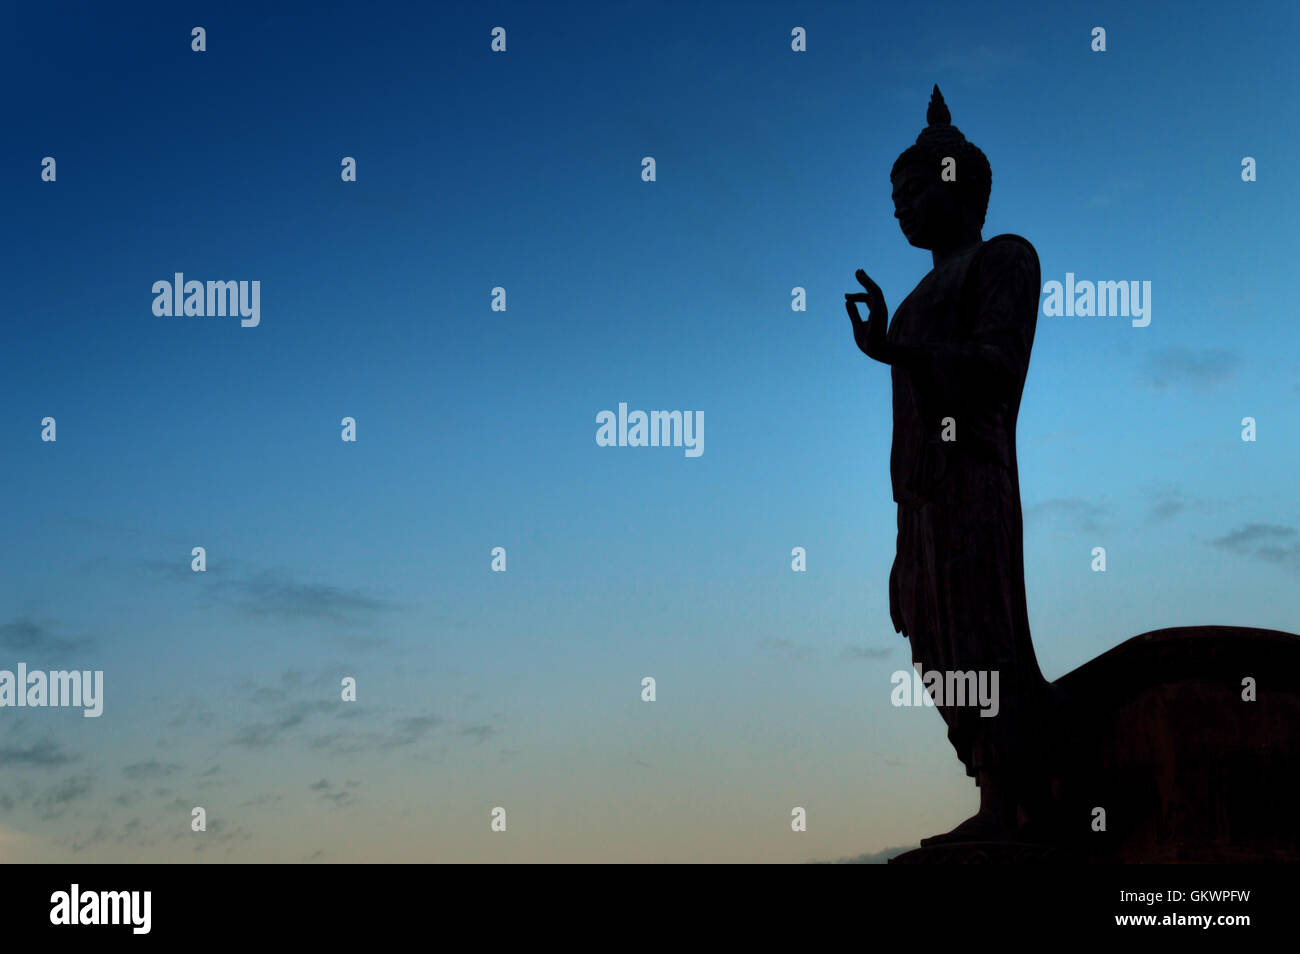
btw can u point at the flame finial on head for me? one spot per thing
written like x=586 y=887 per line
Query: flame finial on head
x=941 y=140
x=938 y=113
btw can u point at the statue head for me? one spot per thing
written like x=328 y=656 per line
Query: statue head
x=933 y=210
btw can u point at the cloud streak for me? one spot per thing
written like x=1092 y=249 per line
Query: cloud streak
x=868 y=652
x=273 y=594
x=147 y=771
x=41 y=754
x=1200 y=369
x=1269 y=542
x=54 y=801
x=26 y=636
x=1086 y=516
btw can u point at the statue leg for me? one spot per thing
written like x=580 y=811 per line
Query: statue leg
x=963 y=566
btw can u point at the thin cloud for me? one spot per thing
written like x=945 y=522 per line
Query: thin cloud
x=179 y=570
x=1166 y=509
x=479 y=733
x=260 y=735
x=219 y=835
x=405 y=732
x=1164 y=503
x=186 y=712
x=54 y=801
x=1272 y=543
x=868 y=652
x=412 y=730
x=41 y=754
x=1186 y=367
x=1076 y=513
x=270 y=799
x=24 y=635
x=786 y=647
x=100 y=834
x=152 y=769
x=277 y=596
x=273 y=594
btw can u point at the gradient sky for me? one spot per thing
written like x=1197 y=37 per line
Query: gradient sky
x=476 y=428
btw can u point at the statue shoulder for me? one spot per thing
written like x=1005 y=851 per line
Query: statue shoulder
x=1009 y=245
x=1007 y=255
x=1006 y=267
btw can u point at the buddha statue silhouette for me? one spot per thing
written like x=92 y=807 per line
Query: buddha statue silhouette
x=958 y=350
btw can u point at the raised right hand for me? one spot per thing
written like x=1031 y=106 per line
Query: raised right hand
x=869 y=334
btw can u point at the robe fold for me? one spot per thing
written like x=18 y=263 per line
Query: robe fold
x=957 y=587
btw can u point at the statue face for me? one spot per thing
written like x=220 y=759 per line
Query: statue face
x=929 y=211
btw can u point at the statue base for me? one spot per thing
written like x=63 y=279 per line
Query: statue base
x=1177 y=746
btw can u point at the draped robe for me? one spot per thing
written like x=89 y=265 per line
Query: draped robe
x=957 y=587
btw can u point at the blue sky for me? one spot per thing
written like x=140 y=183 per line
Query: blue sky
x=476 y=428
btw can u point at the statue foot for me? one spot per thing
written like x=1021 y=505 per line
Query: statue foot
x=982 y=826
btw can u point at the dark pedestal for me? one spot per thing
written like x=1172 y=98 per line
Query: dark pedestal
x=1157 y=734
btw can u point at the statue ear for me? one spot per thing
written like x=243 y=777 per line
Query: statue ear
x=971 y=215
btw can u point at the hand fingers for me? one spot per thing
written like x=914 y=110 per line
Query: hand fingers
x=851 y=301
x=865 y=281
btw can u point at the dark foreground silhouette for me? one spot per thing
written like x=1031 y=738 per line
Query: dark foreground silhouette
x=1154 y=751
x=1158 y=735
